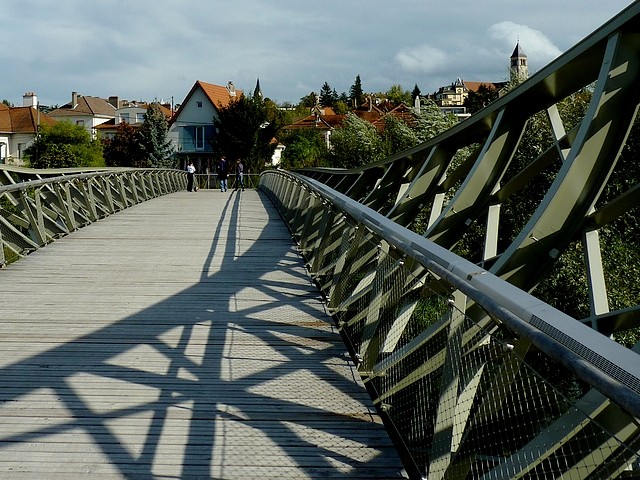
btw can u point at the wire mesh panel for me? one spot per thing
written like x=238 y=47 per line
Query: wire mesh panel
x=467 y=393
x=38 y=206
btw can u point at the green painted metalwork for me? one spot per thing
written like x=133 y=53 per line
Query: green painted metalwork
x=476 y=376
x=42 y=205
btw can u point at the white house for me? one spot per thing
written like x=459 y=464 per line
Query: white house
x=131 y=112
x=191 y=129
x=88 y=112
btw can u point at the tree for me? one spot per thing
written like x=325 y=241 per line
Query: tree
x=397 y=95
x=328 y=96
x=431 y=121
x=125 y=149
x=355 y=143
x=308 y=100
x=479 y=99
x=245 y=131
x=305 y=148
x=397 y=136
x=356 y=95
x=415 y=93
x=64 y=144
x=154 y=137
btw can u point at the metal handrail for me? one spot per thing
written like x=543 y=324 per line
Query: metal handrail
x=325 y=223
x=39 y=206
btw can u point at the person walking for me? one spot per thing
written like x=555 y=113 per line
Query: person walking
x=191 y=170
x=223 y=172
x=239 y=175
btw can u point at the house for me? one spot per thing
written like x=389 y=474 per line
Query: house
x=19 y=127
x=191 y=130
x=88 y=112
x=451 y=98
x=131 y=112
x=324 y=120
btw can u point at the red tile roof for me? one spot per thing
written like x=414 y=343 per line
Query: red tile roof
x=373 y=115
x=218 y=96
x=474 y=86
x=22 y=119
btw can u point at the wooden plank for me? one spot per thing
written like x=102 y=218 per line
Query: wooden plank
x=180 y=338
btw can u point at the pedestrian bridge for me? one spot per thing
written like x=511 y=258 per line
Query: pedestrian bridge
x=466 y=309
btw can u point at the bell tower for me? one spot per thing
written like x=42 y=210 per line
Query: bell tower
x=519 y=69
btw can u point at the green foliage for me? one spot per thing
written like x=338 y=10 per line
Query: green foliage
x=125 y=149
x=245 y=130
x=154 y=139
x=397 y=136
x=64 y=145
x=356 y=94
x=431 y=122
x=398 y=95
x=415 y=93
x=355 y=143
x=340 y=107
x=305 y=148
x=481 y=98
x=308 y=101
x=328 y=96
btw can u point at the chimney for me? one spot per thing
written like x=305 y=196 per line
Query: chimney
x=115 y=101
x=30 y=99
x=74 y=99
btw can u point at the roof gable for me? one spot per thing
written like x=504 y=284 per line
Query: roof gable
x=219 y=96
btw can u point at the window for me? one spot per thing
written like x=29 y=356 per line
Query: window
x=80 y=123
x=199 y=138
x=199 y=104
x=124 y=117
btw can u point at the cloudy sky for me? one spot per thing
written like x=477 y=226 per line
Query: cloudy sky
x=157 y=49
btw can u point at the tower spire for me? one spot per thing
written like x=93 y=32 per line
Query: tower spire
x=519 y=68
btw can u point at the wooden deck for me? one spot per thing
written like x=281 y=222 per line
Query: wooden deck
x=180 y=338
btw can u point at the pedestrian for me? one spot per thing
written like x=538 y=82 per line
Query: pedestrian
x=223 y=172
x=239 y=175
x=191 y=170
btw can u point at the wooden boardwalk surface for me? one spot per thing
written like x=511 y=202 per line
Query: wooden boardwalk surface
x=179 y=339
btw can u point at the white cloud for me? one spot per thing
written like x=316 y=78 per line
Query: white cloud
x=422 y=59
x=538 y=48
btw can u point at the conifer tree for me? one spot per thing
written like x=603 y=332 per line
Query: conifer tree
x=356 y=95
x=154 y=137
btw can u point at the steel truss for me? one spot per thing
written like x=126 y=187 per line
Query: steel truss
x=38 y=206
x=476 y=376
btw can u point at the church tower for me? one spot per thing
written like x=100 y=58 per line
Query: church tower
x=519 y=69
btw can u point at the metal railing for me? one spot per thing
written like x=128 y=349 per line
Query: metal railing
x=38 y=206
x=478 y=378
x=210 y=180
x=475 y=378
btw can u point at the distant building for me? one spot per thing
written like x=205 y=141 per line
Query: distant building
x=88 y=112
x=451 y=98
x=131 y=112
x=18 y=128
x=192 y=131
x=324 y=120
x=519 y=67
